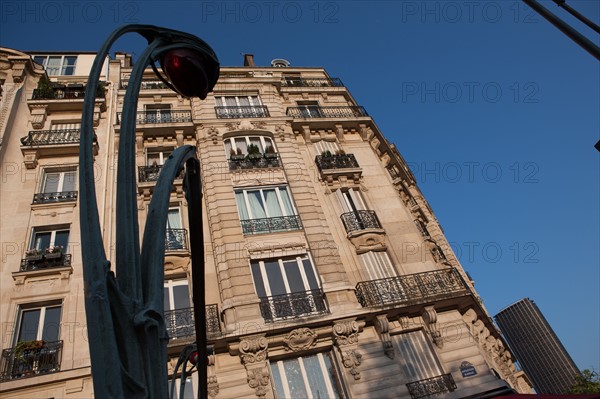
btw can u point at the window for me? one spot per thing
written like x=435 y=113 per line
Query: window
x=179 y=317
x=57 y=64
x=240 y=107
x=288 y=287
x=306 y=377
x=158 y=155
x=189 y=391
x=418 y=360
x=309 y=109
x=265 y=210
x=176 y=235
x=239 y=145
x=158 y=113
x=350 y=200
x=45 y=238
x=323 y=146
x=66 y=126
x=39 y=323
x=58 y=181
x=378 y=265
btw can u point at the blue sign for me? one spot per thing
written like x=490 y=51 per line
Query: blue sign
x=467 y=369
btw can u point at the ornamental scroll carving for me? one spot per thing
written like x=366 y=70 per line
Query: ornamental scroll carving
x=382 y=326
x=300 y=339
x=345 y=335
x=430 y=318
x=213 y=384
x=253 y=352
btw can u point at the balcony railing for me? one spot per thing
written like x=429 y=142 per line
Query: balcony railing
x=153 y=117
x=256 y=111
x=21 y=363
x=150 y=173
x=290 y=81
x=431 y=386
x=271 y=225
x=147 y=85
x=360 y=220
x=51 y=137
x=411 y=289
x=314 y=111
x=258 y=161
x=176 y=240
x=294 y=305
x=339 y=161
x=180 y=323
x=45 y=261
x=68 y=92
x=50 y=198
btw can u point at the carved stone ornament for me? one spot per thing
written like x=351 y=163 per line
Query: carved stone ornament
x=253 y=349
x=383 y=329
x=430 y=318
x=258 y=125
x=345 y=335
x=300 y=339
x=232 y=126
x=351 y=360
x=213 y=133
x=258 y=379
x=280 y=130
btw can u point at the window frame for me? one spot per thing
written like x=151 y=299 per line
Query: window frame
x=233 y=145
x=52 y=230
x=163 y=152
x=61 y=178
x=169 y=285
x=261 y=189
x=27 y=307
x=264 y=276
x=61 y=68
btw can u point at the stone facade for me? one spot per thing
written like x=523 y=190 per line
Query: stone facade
x=327 y=273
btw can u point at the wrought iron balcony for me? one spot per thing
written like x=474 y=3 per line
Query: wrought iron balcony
x=51 y=137
x=256 y=111
x=65 y=92
x=147 y=85
x=360 y=220
x=258 y=161
x=176 y=240
x=150 y=173
x=45 y=261
x=158 y=117
x=292 y=81
x=316 y=111
x=39 y=357
x=50 y=198
x=294 y=305
x=338 y=161
x=180 y=322
x=416 y=288
x=271 y=225
x=431 y=386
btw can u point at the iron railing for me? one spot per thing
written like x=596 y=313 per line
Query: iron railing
x=271 y=225
x=150 y=173
x=360 y=220
x=292 y=81
x=21 y=363
x=180 y=322
x=45 y=261
x=167 y=116
x=294 y=305
x=258 y=161
x=147 y=85
x=255 y=111
x=340 y=161
x=317 y=111
x=62 y=92
x=415 y=288
x=176 y=240
x=49 y=137
x=431 y=386
x=49 y=198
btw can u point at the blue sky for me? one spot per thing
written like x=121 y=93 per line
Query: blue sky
x=494 y=109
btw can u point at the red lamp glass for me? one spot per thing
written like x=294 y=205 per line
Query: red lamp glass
x=193 y=357
x=187 y=72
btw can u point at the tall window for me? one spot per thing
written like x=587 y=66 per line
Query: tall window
x=58 y=181
x=309 y=109
x=158 y=113
x=57 y=64
x=289 y=287
x=418 y=360
x=239 y=145
x=323 y=146
x=350 y=200
x=179 y=318
x=264 y=210
x=39 y=323
x=44 y=238
x=378 y=265
x=158 y=155
x=238 y=101
x=176 y=238
x=240 y=107
x=306 y=377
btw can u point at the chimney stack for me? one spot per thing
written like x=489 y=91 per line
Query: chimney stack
x=249 y=60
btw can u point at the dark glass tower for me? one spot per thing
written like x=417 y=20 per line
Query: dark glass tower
x=537 y=348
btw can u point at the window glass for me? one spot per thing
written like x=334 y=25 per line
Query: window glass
x=51 y=182
x=42 y=240
x=294 y=277
x=275 y=277
x=30 y=320
x=295 y=379
x=303 y=377
x=310 y=274
x=62 y=238
x=51 y=330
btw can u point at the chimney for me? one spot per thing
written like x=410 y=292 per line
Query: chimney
x=249 y=60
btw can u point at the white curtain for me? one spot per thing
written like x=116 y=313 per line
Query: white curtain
x=272 y=203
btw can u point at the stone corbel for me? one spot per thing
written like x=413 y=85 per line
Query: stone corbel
x=97 y=114
x=18 y=69
x=253 y=353
x=139 y=143
x=429 y=316
x=30 y=158
x=345 y=336
x=382 y=326
x=179 y=137
x=306 y=133
x=38 y=116
x=213 y=384
x=339 y=133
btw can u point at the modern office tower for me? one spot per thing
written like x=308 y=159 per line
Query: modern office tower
x=537 y=348
x=327 y=273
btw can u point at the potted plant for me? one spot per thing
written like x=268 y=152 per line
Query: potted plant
x=33 y=254
x=326 y=154
x=237 y=155
x=340 y=152
x=44 y=90
x=53 y=252
x=270 y=152
x=254 y=152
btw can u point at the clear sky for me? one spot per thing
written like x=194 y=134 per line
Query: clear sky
x=494 y=109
